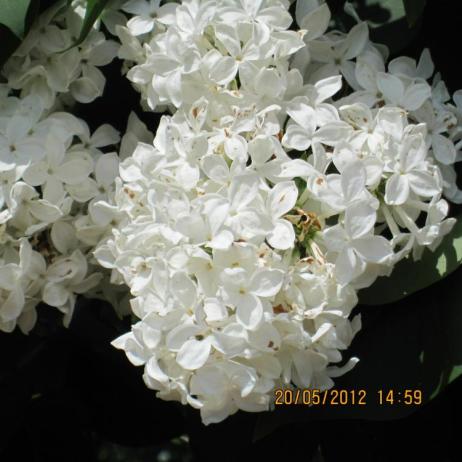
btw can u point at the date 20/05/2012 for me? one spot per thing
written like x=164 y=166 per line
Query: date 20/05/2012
x=343 y=397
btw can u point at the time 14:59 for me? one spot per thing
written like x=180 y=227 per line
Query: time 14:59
x=407 y=397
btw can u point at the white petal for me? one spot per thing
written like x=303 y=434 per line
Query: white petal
x=423 y=184
x=224 y=71
x=45 y=211
x=333 y=133
x=63 y=237
x=348 y=266
x=74 y=171
x=84 y=191
x=266 y=283
x=179 y=335
x=357 y=114
x=296 y=137
x=222 y=240
x=282 y=236
x=374 y=249
x=107 y=168
x=153 y=371
x=282 y=198
x=215 y=310
x=193 y=354
x=443 y=149
x=297 y=168
x=249 y=311
x=103 y=53
x=36 y=174
x=243 y=190
x=391 y=87
x=300 y=111
x=11 y=307
x=55 y=294
x=335 y=238
x=183 y=288
x=415 y=95
x=269 y=83
x=88 y=87
x=356 y=40
x=215 y=167
x=216 y=210
x=315 y=21
x=139 y=25
x=327 y=87
x=353 y=181
x=397 y=189
x=53 y=191
x=236 y=148
x=366 y=72
x=360 y=218
x=104 y=135
x=227 y=35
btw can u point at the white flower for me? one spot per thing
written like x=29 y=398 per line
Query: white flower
x=243 y=259
x=272 y=14
x=66 y=277
x=355 y=244
x=411 y=172
x=337 y=51
x=56 y=170
x=30 y=213
x=18 y=143
x=401 y=92
x=146 y=14
x=342 y=191
x=21 y=279
x=243 y=291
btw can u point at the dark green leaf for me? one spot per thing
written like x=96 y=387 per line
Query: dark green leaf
x=13 y=15
x=93 y=12
x=414 y=10
x=410 y=276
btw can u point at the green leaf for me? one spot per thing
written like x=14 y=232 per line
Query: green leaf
x=13 y=15
x=414 y=344
x=94 y=10
x=414 y=10
x=410 y=276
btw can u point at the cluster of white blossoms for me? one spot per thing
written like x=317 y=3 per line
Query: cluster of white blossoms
x=53 y=175
x=294 y=168
x=47 y=64
x=53 y=172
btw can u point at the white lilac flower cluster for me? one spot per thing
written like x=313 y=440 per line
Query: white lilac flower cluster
x=47 y=64
x=294 y=170
x=53 y=172
x=296 y=166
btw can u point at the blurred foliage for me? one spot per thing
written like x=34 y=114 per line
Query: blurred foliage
x=13 y=15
